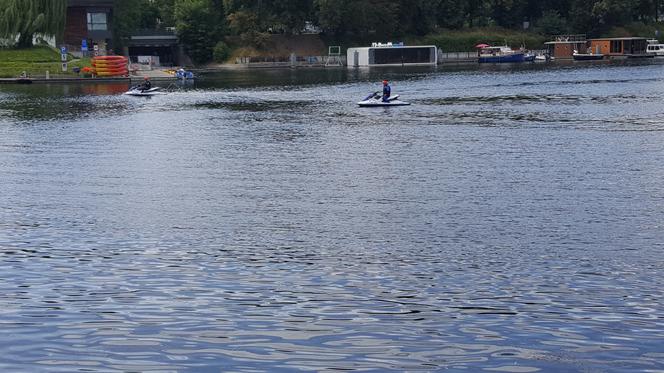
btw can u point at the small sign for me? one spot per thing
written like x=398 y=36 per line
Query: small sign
x=63 y=50
x=84 y=45
x=63 y=57
x=64 y=67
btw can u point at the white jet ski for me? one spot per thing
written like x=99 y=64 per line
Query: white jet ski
x=149 y=92
x=376 y=100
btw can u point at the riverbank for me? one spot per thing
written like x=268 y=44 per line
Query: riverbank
x=36 y=61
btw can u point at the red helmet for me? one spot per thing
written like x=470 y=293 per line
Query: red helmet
x=384 y=81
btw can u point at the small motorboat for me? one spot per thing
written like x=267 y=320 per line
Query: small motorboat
x=134 y=91
x=501 y=54
x=376 y=100
x=654 y=48
x=587 y=56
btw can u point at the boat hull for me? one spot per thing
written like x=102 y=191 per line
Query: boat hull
x=151 y=92
x=588 y=57
x=512 y=58
x=380 y=103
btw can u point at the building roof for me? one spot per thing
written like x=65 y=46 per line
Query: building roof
x=565 y=42
x=394 y=47
x=625 y=38
x=153 y=38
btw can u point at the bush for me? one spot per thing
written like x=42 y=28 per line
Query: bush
x=221 y=52
x=465 y=40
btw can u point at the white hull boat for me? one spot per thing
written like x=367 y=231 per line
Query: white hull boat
x=149 y=92
x=376 y=100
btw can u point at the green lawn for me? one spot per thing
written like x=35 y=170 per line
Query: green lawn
x=35 y=61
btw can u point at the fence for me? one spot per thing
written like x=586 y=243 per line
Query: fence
x=286 y=61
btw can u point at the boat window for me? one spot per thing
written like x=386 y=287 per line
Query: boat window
x=403 y=55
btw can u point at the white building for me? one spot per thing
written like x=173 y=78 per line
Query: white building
x=392 y=55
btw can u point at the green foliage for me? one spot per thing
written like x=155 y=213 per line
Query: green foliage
x=638 y=29
x=551 y=23
x=198 y=26
x=465 y=40
x=25 y=18
x=221 y=52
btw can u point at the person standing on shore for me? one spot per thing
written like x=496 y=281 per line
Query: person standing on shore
x=387 y=91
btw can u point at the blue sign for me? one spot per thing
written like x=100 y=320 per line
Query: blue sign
x=84 y=45
x=63 y=50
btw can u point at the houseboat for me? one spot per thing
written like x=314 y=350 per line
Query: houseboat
x=630 y=47
x=392 y=54
x=500 y=54
x=565 y=46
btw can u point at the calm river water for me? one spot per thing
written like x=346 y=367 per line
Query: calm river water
x=510 y=220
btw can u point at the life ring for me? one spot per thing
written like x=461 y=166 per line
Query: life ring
x=109 y=58
x=111 y=70
x=110 y=66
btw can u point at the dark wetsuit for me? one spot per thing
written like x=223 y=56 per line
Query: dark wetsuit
x=387 y=92
x=145 y=86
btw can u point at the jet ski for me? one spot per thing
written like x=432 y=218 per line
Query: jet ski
x=134 y=91
x=376 y=100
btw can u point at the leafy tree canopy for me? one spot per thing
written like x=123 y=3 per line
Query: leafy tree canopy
x=26 y=18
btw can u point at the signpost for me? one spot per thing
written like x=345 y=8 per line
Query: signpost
x=63 y=58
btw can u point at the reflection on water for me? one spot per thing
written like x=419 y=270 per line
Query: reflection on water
x=509 y=220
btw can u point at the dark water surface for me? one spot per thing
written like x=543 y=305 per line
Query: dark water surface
x=510 y=220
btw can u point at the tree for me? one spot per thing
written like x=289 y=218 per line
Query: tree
x=166 y=10
x=291 y=14
x=26 y=18
x=198 y=27
x=551 y=23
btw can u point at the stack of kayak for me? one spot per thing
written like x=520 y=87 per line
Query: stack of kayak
x=110 y=66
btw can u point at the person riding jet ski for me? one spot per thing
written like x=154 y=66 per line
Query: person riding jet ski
x=387 y=91
x=145 y=86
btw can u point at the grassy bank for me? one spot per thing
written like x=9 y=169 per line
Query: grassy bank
x=638 y=29
x=35 y=62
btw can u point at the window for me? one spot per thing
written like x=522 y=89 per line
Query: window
x=386 y=56
x=97 y=22
x=616 y=46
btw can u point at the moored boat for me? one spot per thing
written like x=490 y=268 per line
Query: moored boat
x=655 y=48
x=500 y=54
x=587 y=56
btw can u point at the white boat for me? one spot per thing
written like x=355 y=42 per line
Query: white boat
x=587 y=56
x=655 y=48
x=139 y=92
x=376 y=100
